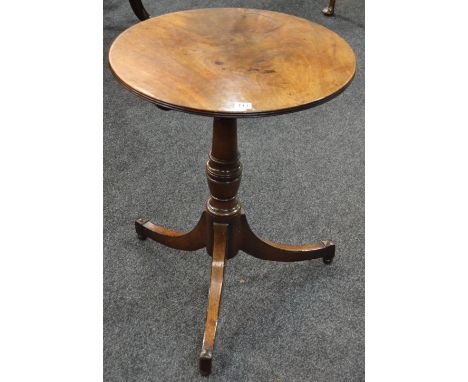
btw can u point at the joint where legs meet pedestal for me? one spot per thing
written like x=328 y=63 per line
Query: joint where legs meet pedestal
x=224 y=231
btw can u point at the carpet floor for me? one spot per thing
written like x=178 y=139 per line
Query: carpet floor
x=303 y=180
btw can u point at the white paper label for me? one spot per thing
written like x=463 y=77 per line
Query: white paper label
x=242 y=106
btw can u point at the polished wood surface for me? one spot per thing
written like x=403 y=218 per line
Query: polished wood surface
x=186 y=241
x=232 y=62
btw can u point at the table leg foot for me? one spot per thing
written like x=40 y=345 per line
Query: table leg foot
x=186 y=241
x=268 y=250
x=328 y=259
x=220 y=240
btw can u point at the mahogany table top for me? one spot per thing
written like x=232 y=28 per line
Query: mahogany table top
x=232 y=62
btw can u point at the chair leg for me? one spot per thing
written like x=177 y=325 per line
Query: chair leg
x=139 y=10
x=214 y=297
x=330 y=9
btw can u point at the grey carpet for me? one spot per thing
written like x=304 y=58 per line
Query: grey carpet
x=303 y=180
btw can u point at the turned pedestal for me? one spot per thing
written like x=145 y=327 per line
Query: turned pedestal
x=227 y=64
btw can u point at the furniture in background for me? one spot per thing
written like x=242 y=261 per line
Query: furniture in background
x=330 y=9
x=139 y=10
x=230 y=63
x=142 y=13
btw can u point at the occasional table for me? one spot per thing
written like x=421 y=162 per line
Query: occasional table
x=230 y=63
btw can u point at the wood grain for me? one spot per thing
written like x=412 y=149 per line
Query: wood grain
x=207 y=61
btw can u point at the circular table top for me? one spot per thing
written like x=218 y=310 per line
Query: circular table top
x=232 y=62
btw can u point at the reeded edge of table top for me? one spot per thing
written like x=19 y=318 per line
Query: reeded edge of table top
x=234 y=114
x=226 y=114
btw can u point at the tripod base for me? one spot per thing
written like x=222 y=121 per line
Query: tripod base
x=223 y=237
x=223 y=229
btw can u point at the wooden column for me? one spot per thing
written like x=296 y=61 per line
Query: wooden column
x=224 y=169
